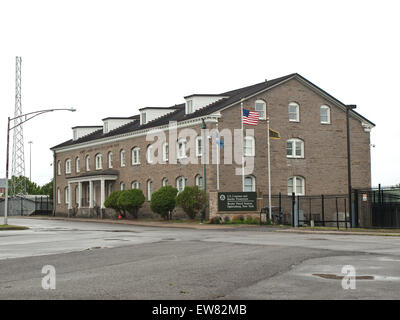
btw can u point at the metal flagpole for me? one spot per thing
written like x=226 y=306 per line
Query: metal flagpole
x=269 y=174
x=218 y=146
x=241 y=118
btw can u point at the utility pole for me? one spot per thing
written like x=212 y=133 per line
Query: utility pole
x=30 y=160
x=348 y=108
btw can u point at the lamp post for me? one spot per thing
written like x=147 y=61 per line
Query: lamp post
x=28 y=116
x=30 y=160
x=348 y=108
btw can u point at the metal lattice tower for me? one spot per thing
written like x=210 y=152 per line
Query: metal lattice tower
x=18 y=155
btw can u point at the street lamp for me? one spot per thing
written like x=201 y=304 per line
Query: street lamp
x=348 y=108
x=28 y=116
x=30 y=160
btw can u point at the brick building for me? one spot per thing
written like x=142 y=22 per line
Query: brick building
x=310 y=157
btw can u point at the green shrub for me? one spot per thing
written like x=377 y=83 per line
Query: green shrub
x=227 y=219
x=217 y=220
x=192 y=200
x=131 y=200
x=163 y=201
x=249 y=220
x=112 y=201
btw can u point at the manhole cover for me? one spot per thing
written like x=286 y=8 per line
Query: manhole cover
x=336 y=277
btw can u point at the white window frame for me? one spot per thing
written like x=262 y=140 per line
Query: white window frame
x=66 y=194
x=181 y=155
x=199 y=146
x=87 y=163
x=59 y=167
x=58 y=195
x=246 y=151
x=135 y=153
x=68 y=166
x=149 y=189
x=263 y=110
x=294 y=186
x=253 y=183
x=328 y=110
x=110 y=159
x=294 y=143
x=164 y=182
x=165 y=148
x=199 y=181
x=78 y=164
x=135 y=185
x=297 y=119
x=149 y=154
x=99 y=161
x=143 y=117
x=122 y=155
x=105 y=127
x=122 y=186
x=189 y=106
x=180 y=183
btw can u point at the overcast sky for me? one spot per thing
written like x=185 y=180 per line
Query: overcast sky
x=109 y=58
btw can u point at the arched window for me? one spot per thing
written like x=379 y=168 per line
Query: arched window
x=59 y=167
x=199 y=146
x=249 y=184
x=76 y=195
x=122 y=158
x=261 y=107
x=110 y=159
x=87 y=161
x=296 y=184
x=149 y=189
x=149 y=154
x=325 y=114
x=135 y=155
x=180 y=183
x=77 y=165
x=164 y=182
x=135 y=185
x=198 y=180
x=122 y=186
x=58 y=195
x=68 y=166
x=66 y=193
x=165 y=151
x=294 y=112
x=249 y=146
x=295 y=148
x=181 y=149
x=99 y=161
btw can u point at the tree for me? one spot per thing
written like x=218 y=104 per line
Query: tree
x=112 y=202
x=47 y=189
x=192 y=200
x=131 y=200
x=30 y=187
x=163 y=201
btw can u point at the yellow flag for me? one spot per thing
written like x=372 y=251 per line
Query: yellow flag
x=274 y=134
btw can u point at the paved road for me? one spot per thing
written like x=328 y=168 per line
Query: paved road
x=106 y=261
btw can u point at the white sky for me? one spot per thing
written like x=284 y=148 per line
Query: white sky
x=109 y=58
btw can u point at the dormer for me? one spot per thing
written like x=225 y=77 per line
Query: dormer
x=112 y=123
x=148 y=114
x=81 y=131
x=195 y=102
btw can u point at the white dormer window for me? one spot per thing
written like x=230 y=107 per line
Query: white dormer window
x=189 y=106
x=143 y=118
x=105 y=128
x=75 y=133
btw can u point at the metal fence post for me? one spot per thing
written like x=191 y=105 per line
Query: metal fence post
x=280 y=208
x=323 y=209
x=356 y=209
x=337 y=214
x=293 y=205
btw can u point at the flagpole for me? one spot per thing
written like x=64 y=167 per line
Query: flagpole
x=218 y=146
x=269 y=174
x=241 y=118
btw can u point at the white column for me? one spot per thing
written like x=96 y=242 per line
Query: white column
x=79 y=194
x=69 y=196
x=102 y=193
x=90 y=194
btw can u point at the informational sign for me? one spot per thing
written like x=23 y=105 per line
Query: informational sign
x=237 y=201
x=364 y=197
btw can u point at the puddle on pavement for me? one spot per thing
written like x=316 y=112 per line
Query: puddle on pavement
x=336 y=277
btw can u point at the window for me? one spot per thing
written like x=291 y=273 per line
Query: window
x=144 y=118
x=248 y=146
x=135 y=156
x=165 y=151
x=295 y=148
x=87 y=161
x=325 y=114
x=76 y=196
x=294 y=112
x=261 y=108
x=180 y=183
x=68 y=166
x=110 y=159
x=99 y=161
x=149 y=189
x=189 y=104
x=199 y=146
x=135 y=185
x=296 y=185
x=249 y=184
x=59 y=167
x=58 y=195
x=181 y=149
x=123 y=159
x=164 y=182
x=66 y=191
x=149 y=154
x=122 y=186
x=198 y=179
x=106 y=127
x=77 y=165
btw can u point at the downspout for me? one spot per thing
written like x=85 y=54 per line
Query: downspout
x=54 y=183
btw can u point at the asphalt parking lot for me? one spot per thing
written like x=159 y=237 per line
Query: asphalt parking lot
x=108 y=261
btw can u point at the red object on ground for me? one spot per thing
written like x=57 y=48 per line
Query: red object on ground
x=119 y=216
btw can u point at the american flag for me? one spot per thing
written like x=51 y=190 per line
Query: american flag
x=250 y=117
